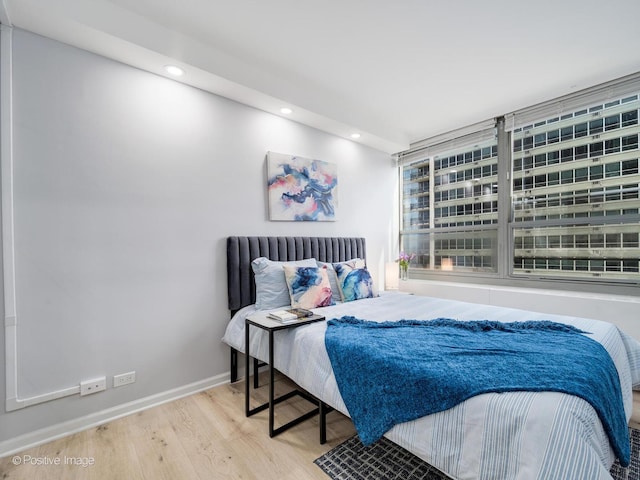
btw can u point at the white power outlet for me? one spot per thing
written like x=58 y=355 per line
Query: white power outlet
x=93 y=386
x=124 y=379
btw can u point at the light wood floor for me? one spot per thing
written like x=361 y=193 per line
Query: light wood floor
x=203 y=436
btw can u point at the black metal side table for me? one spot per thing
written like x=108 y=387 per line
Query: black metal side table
x=261 y=320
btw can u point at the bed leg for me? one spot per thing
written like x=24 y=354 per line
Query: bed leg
x=234 y=365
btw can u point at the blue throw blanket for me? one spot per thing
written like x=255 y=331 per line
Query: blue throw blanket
x=394 y=372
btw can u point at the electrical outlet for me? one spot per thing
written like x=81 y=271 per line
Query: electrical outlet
x=124 y=379
x=93 y=386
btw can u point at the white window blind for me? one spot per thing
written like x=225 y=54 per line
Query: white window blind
x=463 y=137
x=558 y=107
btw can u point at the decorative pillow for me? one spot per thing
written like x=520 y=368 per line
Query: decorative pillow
x=308 y=286
x=354 y=283
x=271 y=286
x=333 y=278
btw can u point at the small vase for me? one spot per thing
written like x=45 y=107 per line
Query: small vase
x=404 y=273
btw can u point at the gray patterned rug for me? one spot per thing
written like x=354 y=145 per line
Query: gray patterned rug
x=384 y=460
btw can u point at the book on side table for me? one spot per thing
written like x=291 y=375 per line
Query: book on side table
x=291 y=315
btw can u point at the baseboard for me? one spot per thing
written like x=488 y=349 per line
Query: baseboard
x=38 y=437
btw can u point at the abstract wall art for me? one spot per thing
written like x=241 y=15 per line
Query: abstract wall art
x=301 y=189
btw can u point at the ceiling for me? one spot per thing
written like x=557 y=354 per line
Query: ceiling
x=394 y=71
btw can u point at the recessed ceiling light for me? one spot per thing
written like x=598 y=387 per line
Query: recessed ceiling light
x=355 y=135
x=286 y=110
x=173 y=70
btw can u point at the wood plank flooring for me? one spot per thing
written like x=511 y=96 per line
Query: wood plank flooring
x=203 y=436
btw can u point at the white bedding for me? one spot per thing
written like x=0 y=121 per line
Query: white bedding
x=519 y=435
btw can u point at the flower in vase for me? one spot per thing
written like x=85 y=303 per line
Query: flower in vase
x=404 y=259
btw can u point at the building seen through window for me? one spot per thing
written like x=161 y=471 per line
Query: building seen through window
x=446 y=194
x=573 y=199
x=569 y=171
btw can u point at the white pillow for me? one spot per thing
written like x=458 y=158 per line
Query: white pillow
x=271 y=286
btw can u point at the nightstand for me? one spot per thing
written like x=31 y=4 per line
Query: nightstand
x=260 y=320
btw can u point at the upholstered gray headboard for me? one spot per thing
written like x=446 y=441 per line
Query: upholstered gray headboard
x=242 y=250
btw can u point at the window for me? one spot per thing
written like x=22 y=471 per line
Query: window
x=609 y=150
x=569 y=196
x=456 y=224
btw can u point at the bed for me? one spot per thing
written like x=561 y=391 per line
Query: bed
x=512 y=435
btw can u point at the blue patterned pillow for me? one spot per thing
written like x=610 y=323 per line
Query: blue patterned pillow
x=333 y=278
x=308 y=287
x=354 y=283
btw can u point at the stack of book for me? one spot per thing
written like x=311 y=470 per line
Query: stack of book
x=289 y=316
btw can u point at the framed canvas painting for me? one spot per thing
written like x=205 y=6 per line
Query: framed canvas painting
x=301 y=189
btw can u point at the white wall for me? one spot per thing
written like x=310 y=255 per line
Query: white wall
x=125 y=187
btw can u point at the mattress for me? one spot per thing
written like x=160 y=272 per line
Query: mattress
x=516 y=435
